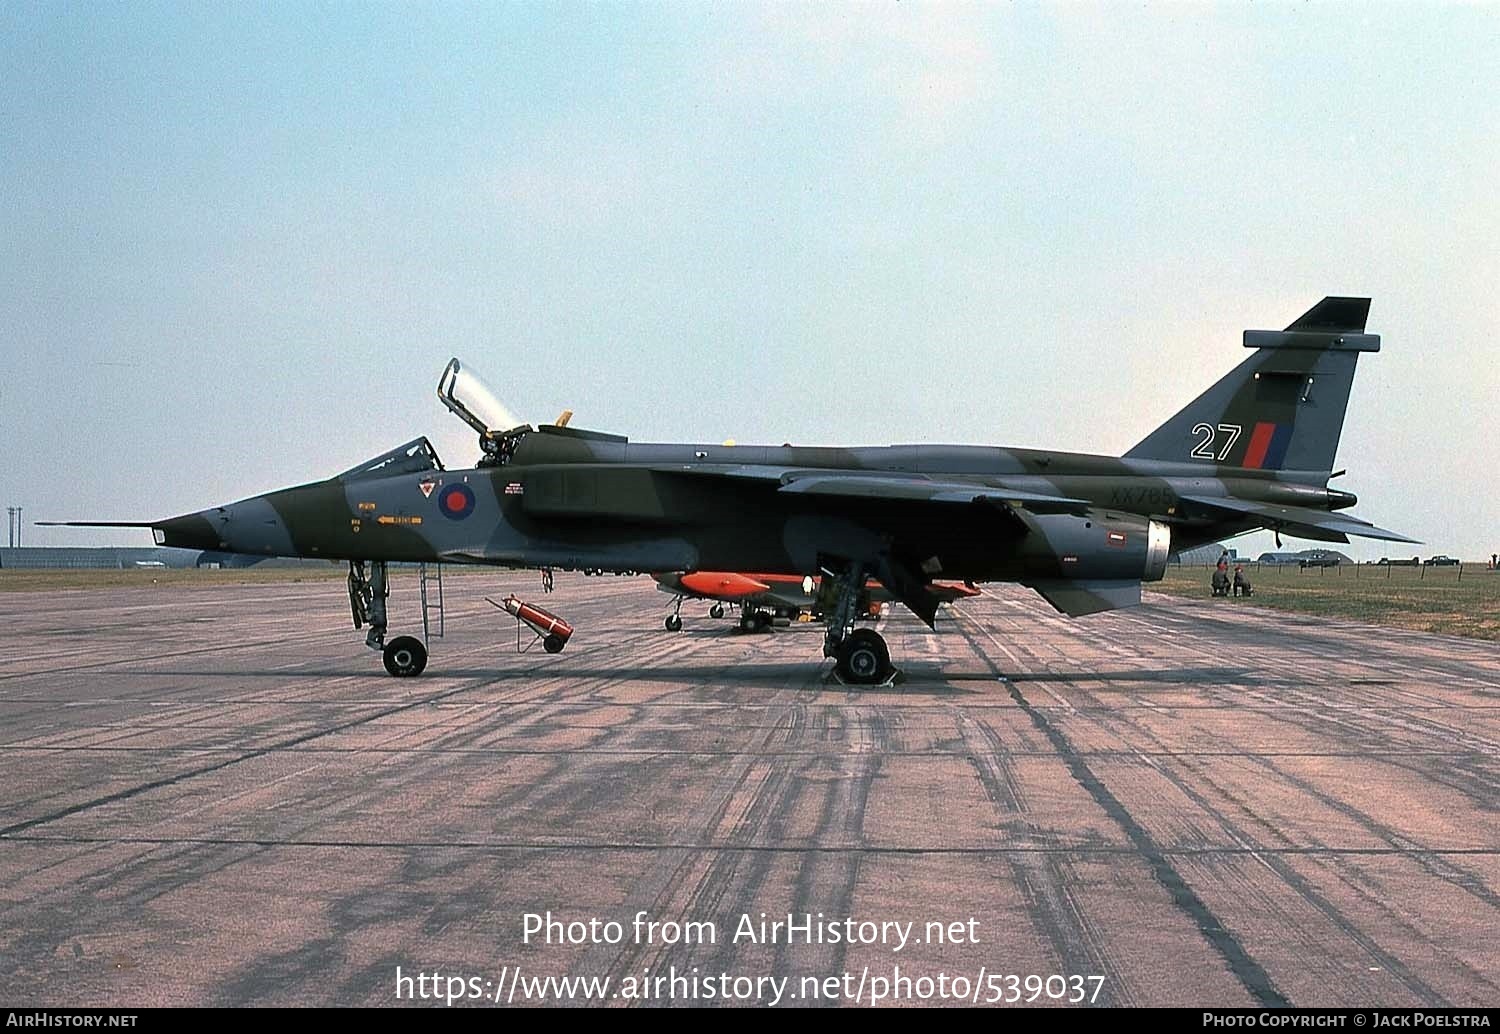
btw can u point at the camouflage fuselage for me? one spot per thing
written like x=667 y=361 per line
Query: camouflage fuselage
x=577 y=500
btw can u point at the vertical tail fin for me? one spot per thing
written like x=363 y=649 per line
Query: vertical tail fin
x=1283 y=407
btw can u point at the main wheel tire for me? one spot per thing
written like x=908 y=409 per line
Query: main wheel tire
x=554 y=643
x=716 y=611
x=673 y=623
x=864 y=659
x=763 y=621
x=404 y=656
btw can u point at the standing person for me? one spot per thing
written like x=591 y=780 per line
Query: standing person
x=1495 y=561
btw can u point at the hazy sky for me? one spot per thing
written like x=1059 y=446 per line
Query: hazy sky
x=239 y=242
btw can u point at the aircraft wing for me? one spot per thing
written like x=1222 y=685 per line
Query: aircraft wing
x=915 y=488
x=738 y=471
x=893 y=486
x=868 y=484
x=1297 y=520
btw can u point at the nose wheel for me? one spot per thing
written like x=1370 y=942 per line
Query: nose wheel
x=404 y=656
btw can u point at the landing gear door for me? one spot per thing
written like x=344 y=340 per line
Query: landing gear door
x=465 y=395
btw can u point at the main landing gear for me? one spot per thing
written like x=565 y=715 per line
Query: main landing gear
x=860 y=655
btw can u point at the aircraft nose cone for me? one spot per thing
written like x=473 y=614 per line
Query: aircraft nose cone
x=190 y=531
x=250 y=526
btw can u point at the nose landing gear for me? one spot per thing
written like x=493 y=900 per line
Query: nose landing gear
x=367 y=595
x=404 y=656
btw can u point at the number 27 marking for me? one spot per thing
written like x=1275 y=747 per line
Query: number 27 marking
x=1208 y=437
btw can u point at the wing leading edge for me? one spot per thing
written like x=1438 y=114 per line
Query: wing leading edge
x=896 y=486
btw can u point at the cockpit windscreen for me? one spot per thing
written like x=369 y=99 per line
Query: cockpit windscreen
x=414 y=457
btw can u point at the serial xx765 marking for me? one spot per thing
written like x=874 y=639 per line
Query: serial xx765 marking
x=1144 y=499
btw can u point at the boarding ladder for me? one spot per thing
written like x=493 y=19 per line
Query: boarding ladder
x=431 y=583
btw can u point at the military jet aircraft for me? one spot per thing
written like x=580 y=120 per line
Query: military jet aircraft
x=1255 y=450
x=764 y=597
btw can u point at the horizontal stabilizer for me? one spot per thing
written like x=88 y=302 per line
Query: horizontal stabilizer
x=1298 y=520
x=1077 y=597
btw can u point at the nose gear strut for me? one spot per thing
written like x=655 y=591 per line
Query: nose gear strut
x=367 y=596
x=404 y=655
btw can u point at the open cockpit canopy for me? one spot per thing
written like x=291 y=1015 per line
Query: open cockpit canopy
x=468 y=398
x=471 y=400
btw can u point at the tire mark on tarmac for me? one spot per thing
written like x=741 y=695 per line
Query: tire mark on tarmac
x=746 y=801
x=1306 y=711
x=166 y=781
x=1298 y=884
x=1318 y=724
x=1045 y=879
x=636 y=847
x=1251 y=975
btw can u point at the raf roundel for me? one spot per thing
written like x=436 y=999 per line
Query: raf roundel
x=456 y=501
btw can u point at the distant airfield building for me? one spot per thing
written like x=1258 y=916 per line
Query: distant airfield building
x=1208 y=554
x=65 y=557
x=1305 y=558
x=43 y=558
